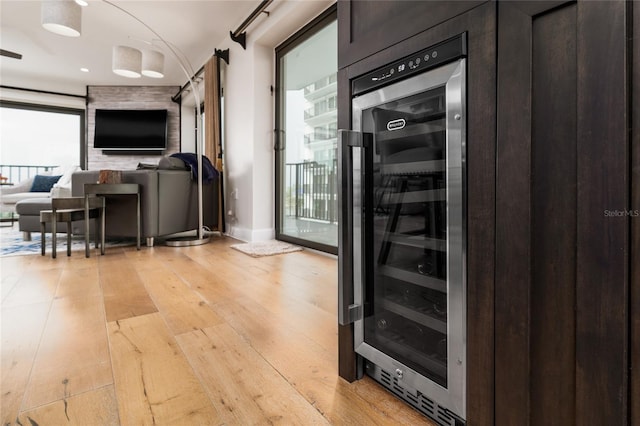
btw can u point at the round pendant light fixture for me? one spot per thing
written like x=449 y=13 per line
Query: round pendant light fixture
x=127 y=61
x=153 y=64
x=62 y=17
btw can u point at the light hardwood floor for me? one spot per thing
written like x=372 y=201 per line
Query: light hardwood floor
x=185 y=336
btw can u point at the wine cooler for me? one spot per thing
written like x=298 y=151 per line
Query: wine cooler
x=402 y=255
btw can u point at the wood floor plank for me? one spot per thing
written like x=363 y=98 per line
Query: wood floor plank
x=98 y=407
x=183 y=309
x=216 y=285
x=390 y=407
x=153 y=380
x=283 y=302
x=243 y=387
x=12 y=269
x=148 y=257
x=79 y=282
x=305 y=274
x=34 y=286
x=124 y=292
x=311 y=369
x=73 y=356
x=19 y=346
x=272 y=317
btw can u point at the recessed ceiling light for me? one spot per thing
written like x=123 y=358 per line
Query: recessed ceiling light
x=82 y=3
x=84 y=69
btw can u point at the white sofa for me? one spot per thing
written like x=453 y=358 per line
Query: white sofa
x=11 y=194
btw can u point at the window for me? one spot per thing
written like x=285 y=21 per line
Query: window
x=34 y=135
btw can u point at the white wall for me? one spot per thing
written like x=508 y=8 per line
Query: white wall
x=250 y=118
x=188 y=119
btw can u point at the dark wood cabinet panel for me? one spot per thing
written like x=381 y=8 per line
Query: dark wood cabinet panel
x=536 y=223
x=561 y=261
x=602 y=246
x=635 y=222
x=513 y=217
x=367 y=27
x=481 y=204
x=553 y=217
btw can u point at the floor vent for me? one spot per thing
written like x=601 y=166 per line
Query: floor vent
x=414 y=398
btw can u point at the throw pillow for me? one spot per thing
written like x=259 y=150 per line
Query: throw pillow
x=66 y=172
x=43 y=183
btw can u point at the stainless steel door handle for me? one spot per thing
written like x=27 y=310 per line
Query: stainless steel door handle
x=348 y=276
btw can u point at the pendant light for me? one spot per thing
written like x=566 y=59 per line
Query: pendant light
x=127 y=61
x=153 y=64
x=62 y=17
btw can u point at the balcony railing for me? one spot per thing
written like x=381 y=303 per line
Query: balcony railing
x=18 y=172
x=311 y=191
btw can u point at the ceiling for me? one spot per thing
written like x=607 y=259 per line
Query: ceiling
x=52 y=62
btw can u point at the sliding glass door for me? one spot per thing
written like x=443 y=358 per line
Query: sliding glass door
x=306 y=170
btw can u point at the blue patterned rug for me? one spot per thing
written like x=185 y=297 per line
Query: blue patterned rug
x=12 y=244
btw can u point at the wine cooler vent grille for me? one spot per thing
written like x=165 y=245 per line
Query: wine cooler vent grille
x=414 y=397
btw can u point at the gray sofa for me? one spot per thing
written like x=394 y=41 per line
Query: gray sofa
x=169 y=205
x=11 y=195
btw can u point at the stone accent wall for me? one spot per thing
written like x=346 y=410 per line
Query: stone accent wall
x=131 y=97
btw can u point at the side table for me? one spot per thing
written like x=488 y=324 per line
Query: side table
x=106 y=189
x=8 y=217
x=69 y=210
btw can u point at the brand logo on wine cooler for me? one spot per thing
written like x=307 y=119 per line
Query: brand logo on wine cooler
x=396 y=124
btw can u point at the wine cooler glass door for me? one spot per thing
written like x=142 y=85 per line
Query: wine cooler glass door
x=412 y=265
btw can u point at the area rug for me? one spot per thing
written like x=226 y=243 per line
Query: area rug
x=12 y=244
x=266 y=248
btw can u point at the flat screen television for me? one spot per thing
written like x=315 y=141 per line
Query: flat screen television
x=130 y=130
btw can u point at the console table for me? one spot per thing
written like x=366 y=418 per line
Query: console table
x=106 y=189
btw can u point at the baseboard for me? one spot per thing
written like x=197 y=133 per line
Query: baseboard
x=263 y=234
x=251 y=235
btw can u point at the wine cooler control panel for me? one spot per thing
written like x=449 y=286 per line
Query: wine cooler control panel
x=431 y=57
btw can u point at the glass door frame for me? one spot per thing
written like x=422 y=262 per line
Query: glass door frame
x=328 y=16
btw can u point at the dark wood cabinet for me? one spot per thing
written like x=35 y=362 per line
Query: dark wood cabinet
x=367 y=27
x=553 y=198
x=562 y=251
x=553 y=157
